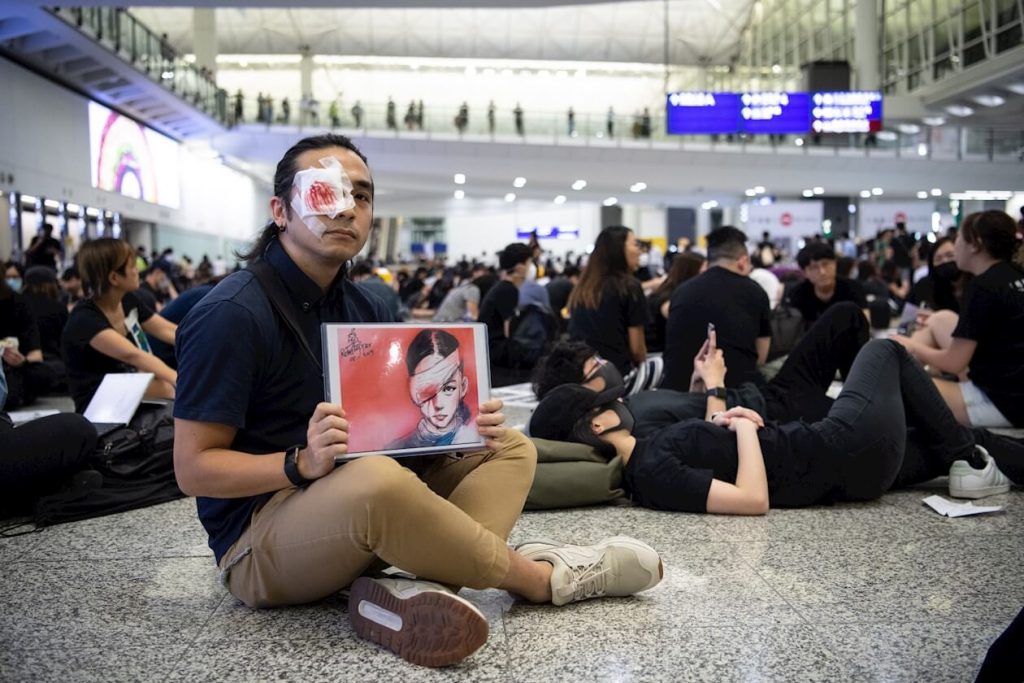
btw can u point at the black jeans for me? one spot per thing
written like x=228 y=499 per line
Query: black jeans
x=38 y=457
x=885 y=394
x=830 y=345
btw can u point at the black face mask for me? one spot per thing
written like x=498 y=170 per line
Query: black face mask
x=614 y=386
x=626 y=420
x=947 y=272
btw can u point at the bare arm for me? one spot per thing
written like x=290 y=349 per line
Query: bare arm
x=473 y=309
x=205 y=464
x=749 y=495
x=161 y=328
x=953 y=360
x=709 y=373
x=763 y=344
x=111 y=344
x=637 y=344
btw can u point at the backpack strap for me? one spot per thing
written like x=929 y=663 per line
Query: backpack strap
x=283 y=305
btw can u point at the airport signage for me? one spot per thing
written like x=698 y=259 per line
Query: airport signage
x=779 y=219
x=780 y=113
x=551 y=232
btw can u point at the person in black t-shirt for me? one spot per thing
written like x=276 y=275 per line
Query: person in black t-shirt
x=156 y=289
x=42 y=295
x=498 y=308
x=559 y=290
x=942 y=288
x=735 y=463
x=607 y=308
x=988 y=340
x=725 y=296
x=106 y=332
x=684 y=267
x=822 y=287
x=44 y=250
x=21 y=350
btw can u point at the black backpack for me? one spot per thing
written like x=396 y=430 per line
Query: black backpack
x=133 y=467
x=531 y=331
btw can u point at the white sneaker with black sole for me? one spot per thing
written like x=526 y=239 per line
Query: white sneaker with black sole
x=967 y=482
x=615 y=567
x=420 y=621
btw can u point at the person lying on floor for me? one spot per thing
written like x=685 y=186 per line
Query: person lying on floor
x=736 y=463
x=798 y=391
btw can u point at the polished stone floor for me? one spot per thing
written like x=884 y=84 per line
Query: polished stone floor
x=882 y=591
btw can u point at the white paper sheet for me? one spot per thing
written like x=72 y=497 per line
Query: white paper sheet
x=951 y=509
x=117 y=397
x=20 y=417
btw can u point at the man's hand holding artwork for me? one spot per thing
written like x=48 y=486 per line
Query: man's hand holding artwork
x=327 y=439
x=491 y=423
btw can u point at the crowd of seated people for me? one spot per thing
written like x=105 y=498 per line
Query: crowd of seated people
x=716 y=435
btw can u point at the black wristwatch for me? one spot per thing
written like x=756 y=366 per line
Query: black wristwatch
x=716 y=392
x=291 y=467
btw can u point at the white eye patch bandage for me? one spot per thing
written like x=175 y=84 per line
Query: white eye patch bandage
x=425 y=385
x=323 y=191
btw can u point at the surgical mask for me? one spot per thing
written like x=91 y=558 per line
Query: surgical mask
x=626 y=420
x=645 y=260
x=946 y=272
x=614 y=385
x=531 y=272
x=14 y=283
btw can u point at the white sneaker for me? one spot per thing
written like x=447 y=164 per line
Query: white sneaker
x=967 y=482
x=616 y=566
x=420 y=621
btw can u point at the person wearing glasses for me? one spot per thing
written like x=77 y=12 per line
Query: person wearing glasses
x=107 y=330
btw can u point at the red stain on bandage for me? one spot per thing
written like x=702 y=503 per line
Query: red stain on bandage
x=320 y=197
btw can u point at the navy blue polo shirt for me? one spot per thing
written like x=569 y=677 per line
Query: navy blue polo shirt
x=239 y=365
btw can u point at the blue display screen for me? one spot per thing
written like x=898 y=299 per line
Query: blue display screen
x=550 y=232
x=708 y=113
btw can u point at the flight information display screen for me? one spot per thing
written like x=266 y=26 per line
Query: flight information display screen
x=786 y=113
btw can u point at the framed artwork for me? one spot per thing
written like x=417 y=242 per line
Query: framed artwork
x=408 y=389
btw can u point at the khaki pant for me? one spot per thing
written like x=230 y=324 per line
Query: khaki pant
x=449 y=525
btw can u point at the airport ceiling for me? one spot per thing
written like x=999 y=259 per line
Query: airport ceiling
x=701 y=32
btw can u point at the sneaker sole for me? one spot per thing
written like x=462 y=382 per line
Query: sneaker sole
x=429 y=629
x=978 y=493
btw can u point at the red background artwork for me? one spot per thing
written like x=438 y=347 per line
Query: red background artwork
x=375 y=382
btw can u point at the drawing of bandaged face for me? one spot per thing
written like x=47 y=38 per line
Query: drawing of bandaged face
x=325 y=191
x=438 y=387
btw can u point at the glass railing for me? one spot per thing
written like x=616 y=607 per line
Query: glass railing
x=123 y=34
x=634 y=130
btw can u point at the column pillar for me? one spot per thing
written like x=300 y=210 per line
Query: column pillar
x=306 y=84
x=866 y=46
x=204 y=38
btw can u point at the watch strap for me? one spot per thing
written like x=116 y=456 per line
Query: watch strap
x=291 y=466
x=717 y=392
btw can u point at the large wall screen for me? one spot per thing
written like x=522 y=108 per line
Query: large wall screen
x=780 y=113
x=132 y=160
